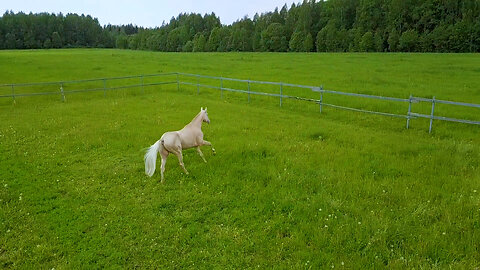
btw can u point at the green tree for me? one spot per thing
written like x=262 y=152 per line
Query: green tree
x=296 y=42
x=321 y=41
x=10 y=41
x=273 y=38
x=330 y=39
x=210 y=21
x=219 y=39
x=242 y=33
x=308 y=43
x=291 y=20
x=214 y=40
x=56 y=40
x=225 y=36
x=47 y=44
x=199 y=43
x=370 y=15
x=122 y=42
x=342 y=12
x=301 y=42
x=334 y=25
x=440 y=37
x=261 y=23
x=367 y=42
x=162 y=37
x=408 y=41
x=357 y=36
x=155 y=41
x=425 y=43
x=174 y=40
x=378 y=42
x=462 y=36
x=304 y=22
x=257 y=42
x=188 y=47
x=393 y=41
x=275 y=17
x=29 y=41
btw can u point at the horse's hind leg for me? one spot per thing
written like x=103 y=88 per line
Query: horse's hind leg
x=174 y=146
x=179 y=155
x=164 y=155
x=201 y=154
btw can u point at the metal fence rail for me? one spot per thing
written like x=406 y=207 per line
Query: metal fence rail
x=84 y=90
x=13 y=93
x=410 y=115
x=179 y=76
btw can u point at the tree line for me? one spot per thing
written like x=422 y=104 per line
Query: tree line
x=323 y=26
x=45 y=31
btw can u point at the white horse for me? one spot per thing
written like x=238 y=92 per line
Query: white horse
x=175 y=141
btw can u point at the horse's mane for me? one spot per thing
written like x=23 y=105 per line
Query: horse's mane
x=196 y=116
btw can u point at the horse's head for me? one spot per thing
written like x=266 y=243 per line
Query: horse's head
x=204 y=114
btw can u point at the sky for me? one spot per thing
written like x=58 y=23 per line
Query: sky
x=146 y=13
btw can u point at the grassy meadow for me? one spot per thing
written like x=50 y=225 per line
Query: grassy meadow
x=288 y=188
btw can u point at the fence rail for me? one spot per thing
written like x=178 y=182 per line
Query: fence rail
x=178 y=81
x=410 y=115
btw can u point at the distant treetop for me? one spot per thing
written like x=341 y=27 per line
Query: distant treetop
x=322 y=26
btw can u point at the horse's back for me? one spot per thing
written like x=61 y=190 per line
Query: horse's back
x=185 y=138
x=171 y=139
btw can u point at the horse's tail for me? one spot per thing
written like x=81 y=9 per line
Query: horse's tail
x=151 y=158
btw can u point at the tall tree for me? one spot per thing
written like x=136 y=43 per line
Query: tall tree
x=408 y=41
x=273 y=38
x=199 y=43
x=57 y=40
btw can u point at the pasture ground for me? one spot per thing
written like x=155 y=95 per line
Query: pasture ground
x=288 y=188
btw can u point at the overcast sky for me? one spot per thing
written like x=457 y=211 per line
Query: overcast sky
x=147 y=13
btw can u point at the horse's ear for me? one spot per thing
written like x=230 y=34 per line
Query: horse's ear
x=205 y=108
x=201 y=108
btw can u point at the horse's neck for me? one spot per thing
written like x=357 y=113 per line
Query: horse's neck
x=196 y=122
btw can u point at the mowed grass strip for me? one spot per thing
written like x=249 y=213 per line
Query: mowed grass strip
x=289 y=187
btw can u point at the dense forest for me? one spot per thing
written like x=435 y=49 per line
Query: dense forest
x=323 y=26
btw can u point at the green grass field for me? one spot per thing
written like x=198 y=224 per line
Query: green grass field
x=288 y=188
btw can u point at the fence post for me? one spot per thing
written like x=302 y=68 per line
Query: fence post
x=409 y=111
x=61 y=90
x=431 y=116
x=13 y=94
x=321 y=99
x=198 y=84
x=281 y=93
x=178 y=83
x=141 y=79
x=221 y=87
x=248 y=82
x=104 y=87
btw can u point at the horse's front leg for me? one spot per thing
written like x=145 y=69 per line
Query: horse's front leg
x=209 y=144
x=201 y=154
